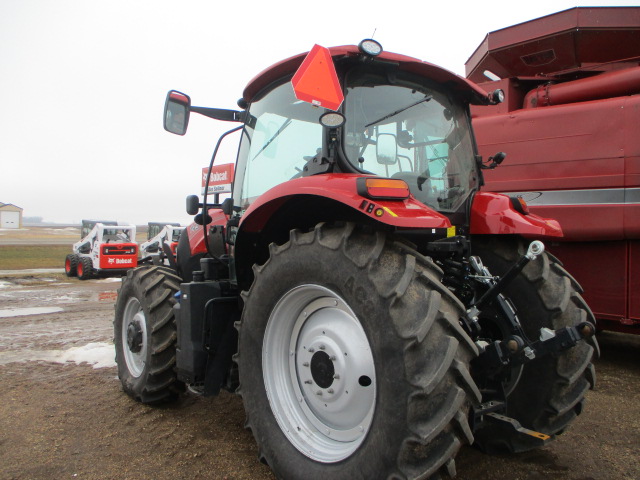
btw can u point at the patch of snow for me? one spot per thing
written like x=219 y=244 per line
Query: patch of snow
x=109 y=280
x=98 y=354
x=19 y=312
x=64 y=298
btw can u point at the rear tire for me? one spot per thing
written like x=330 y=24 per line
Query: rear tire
x=550 y=392
x=352 y=361
x=71 y=265
x=84 y=268
x=145 y=335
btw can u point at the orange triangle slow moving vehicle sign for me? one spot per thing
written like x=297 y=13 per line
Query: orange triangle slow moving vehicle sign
x=316 y=81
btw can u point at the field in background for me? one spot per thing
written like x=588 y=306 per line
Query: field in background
x=18 y=257
x=41 y=247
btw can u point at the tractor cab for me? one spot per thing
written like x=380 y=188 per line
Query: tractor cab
x=396 y=127
x=355 y=111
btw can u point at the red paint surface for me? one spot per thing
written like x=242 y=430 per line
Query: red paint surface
x=195 y=232
x=288 y=66
x=578 y=136
x=493 y=213
x=409 y=213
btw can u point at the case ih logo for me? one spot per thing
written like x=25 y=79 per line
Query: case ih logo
x=220 y=180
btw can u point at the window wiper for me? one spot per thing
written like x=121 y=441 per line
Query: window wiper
x=425 y=99
x=286 y=123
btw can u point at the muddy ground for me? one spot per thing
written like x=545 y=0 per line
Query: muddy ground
x=72 y=421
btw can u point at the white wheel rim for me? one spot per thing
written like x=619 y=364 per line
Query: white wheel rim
x=134 y=318
x=319 y=373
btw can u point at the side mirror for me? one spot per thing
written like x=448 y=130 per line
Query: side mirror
x=494 y=161
x=176 y=112
x=387 y=149
x=227 y=206
x=497 y=96
x=193 y=204
x=498 y=158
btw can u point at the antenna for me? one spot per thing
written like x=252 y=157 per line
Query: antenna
x=374 y=32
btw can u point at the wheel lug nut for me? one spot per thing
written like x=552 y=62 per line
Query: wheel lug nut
x=319 y=392
x=305 y=364
x=336 y=376
x=330 y=390
x=332 y=358
x=311 y=350
x=322 y=347
x=308 y=382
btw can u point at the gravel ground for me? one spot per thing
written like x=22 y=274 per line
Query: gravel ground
x=70 y=420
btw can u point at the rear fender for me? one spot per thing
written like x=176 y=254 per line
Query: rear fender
x=493 y=213
x=342 y=189
x=305 y=202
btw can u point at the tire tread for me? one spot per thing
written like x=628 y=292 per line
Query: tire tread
x=426 y=323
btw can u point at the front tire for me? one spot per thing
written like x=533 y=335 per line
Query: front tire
x=352 y=361
x=145 y=335
x=550 y=391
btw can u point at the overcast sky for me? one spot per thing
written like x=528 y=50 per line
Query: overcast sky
x=83 y=85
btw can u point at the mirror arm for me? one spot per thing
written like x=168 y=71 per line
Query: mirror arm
x=480 y=168
x=221 y=114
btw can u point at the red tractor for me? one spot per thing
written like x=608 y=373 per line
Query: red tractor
x=569 y=126
x=372 y=306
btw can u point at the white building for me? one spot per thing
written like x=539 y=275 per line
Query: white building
x=10 y=216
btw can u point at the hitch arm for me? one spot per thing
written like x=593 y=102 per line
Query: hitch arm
x=496 y=287
x=513 y=351
x=535 y=249
x=556 y=341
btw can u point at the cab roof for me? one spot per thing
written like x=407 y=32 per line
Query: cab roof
x=463 y=87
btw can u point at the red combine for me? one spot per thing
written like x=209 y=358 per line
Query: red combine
x=569 y=124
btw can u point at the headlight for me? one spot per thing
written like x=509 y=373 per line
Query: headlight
x=370 y=47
